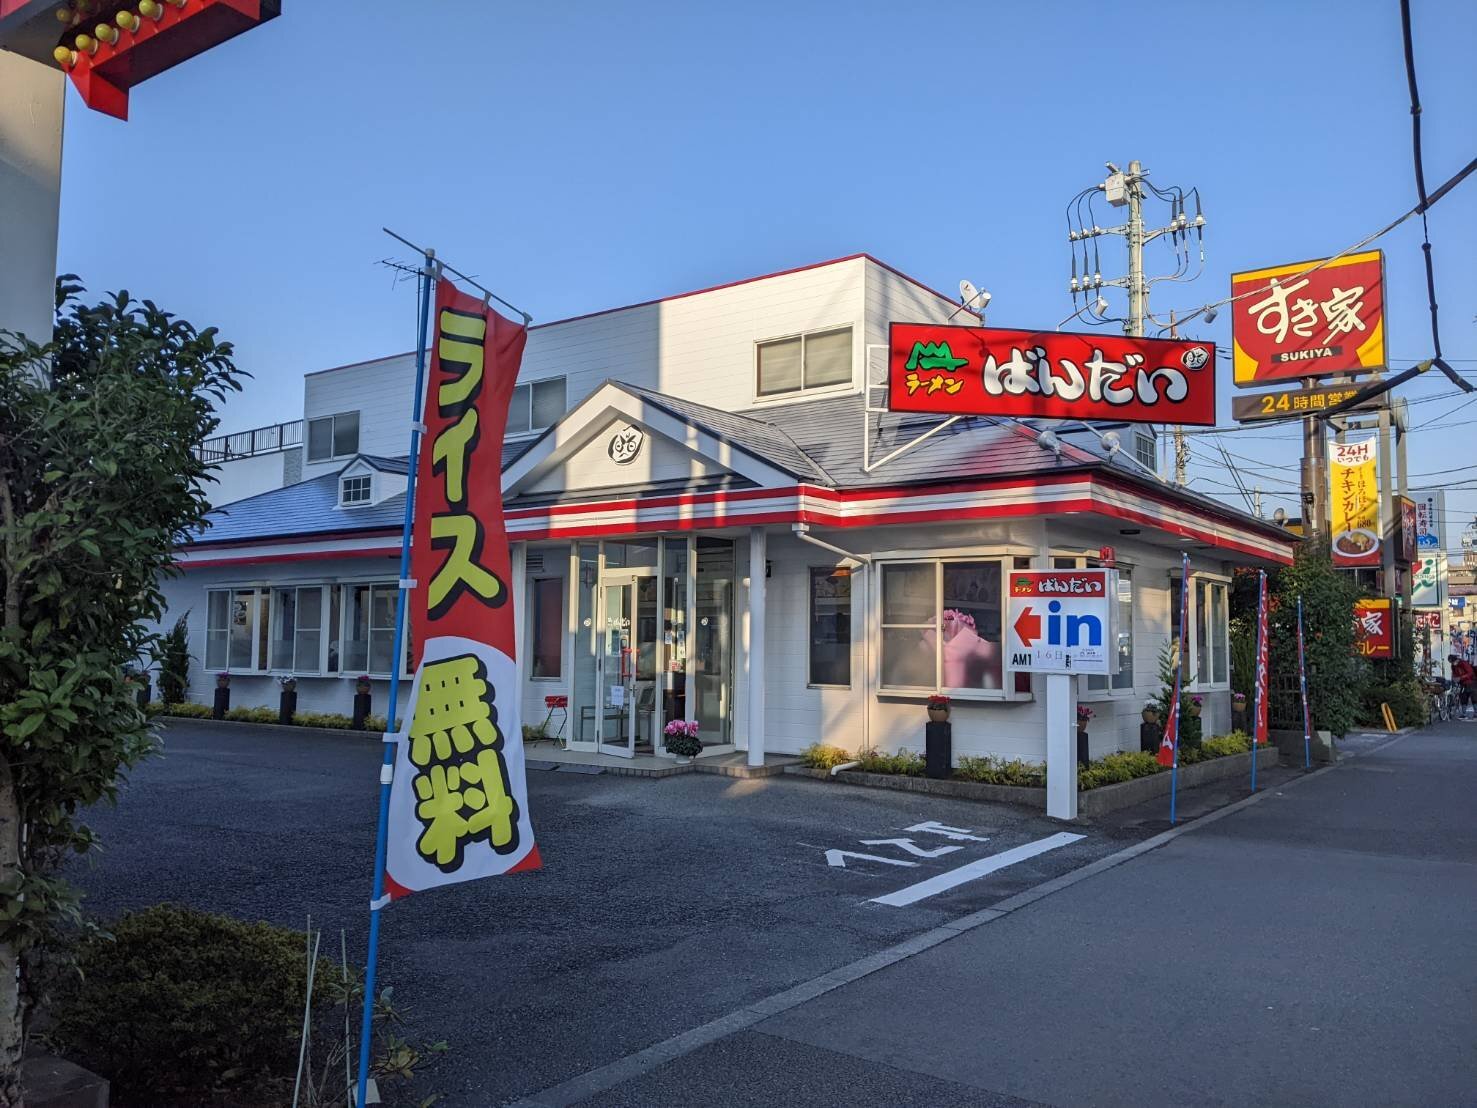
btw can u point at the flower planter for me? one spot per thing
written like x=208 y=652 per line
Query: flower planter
x=287 y=706
x=938 y=715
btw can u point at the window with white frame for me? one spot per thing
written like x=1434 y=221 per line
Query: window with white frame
x=830 y=626
x=1144 y=450
x=799 y=363
x=369 y=628
x=536 y=405
x=297 y=629
x=335 y=436
x=1206 y=649
x=236 y=629
x=356 y=490
x=941 y=625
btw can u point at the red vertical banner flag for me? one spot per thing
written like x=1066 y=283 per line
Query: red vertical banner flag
x=1169 y=742
x=459 y=797
x=1260 y=712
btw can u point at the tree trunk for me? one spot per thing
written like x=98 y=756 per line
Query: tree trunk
x=12 y=1005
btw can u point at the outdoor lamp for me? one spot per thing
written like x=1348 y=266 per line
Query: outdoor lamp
x=127 y=20
x=106 y=32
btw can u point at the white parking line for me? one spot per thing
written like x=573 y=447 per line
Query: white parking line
x=972 y=870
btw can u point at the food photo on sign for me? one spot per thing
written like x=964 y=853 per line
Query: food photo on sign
x=1048 y=374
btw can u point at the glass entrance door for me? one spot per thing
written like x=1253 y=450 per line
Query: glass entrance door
x=616 y=660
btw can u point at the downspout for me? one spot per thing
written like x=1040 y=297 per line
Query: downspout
x=802 y=532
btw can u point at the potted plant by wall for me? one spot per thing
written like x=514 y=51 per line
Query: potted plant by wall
x=1197 y=705
x=938 y=708
x=1238 y=711
x=222 y=696
x=287 y=701
x=1150 y=713
x=1084 y=714
x=680 y=738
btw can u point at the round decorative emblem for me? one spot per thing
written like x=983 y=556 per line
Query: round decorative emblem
x=1195 y=357
x=625 y=444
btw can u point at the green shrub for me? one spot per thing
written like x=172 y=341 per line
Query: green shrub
x=1223 y=746
x=905 y=763
x=997 y=771
x=178 y=1004
x=174 y=662
x=821 y=756
x=1405 y=698
x=331 y=720
x=1113 y=768
x=185 y=709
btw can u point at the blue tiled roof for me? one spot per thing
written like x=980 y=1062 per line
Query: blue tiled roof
x=307 y=508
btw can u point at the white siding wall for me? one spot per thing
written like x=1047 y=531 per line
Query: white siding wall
x=185 y=595
x=701 y=347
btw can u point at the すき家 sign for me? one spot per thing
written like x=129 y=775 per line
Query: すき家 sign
x=995 y=371
x=1308 y=319
x=1061 y=621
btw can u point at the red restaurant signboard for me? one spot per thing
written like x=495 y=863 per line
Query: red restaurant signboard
x=994 y=371
x=1374 y=630
x=1293 y=321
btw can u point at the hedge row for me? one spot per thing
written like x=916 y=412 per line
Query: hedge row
x=1108 y=770
x=187 y=709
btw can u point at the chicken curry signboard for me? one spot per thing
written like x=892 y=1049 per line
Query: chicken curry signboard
x=1354 y=502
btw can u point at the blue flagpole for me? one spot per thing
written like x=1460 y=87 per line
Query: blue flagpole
x=1303 y=684
x=1179 y=668
x=397 y=655
x=1256 y=672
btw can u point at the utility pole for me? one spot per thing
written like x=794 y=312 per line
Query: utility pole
x=1126 y=189
x=1181 y=447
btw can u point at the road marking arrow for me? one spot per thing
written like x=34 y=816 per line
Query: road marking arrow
x=911 y=847
x=1027 y=626
x=838 y=858
x=933 y=827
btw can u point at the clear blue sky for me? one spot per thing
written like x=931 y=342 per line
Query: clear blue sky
x=580 y=156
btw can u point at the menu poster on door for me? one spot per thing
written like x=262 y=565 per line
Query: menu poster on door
x=458 y=795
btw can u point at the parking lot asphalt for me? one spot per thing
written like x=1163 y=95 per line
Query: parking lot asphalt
x=661 y=904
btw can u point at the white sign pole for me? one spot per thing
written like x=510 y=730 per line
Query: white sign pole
x=1061 y=746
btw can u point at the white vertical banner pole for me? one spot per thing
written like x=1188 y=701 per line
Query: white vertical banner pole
x=1061 y=746
x=757 y=583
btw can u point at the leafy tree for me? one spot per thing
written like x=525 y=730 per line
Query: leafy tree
x=1336 y=675
x=99 y=483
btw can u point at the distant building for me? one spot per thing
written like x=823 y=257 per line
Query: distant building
x=660 y=458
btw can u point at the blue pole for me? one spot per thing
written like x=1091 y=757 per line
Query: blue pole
x=397 y=654
x=1256 y=671
x=1179 y=667
x=1303 y=684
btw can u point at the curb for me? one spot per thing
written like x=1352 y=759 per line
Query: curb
x=292 y=728
x=1090 y=802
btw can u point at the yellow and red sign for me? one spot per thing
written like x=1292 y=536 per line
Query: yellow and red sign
x=1374 y=628
x=1354 y=503
x=458 y=797
x=1293 y=321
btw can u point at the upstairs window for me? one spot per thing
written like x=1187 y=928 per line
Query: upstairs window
x=335 y=436
x=536 y=405
x=355 y=490
x=804 y=362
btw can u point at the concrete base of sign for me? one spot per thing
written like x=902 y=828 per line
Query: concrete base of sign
x=1320 y=747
